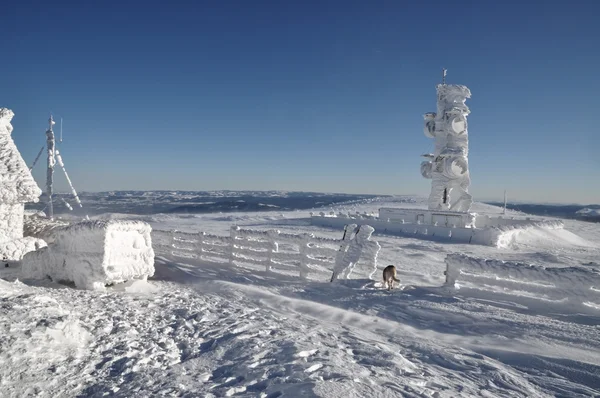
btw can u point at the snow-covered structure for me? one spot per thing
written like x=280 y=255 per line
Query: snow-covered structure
x=305 y=253
x=572 y=286
x=17 y=187
x=448 y=216
x=93 y=254
x=448 y=166
x=359 y=245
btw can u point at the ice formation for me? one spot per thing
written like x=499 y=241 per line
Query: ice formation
x=448 y=166
x=93 y=254
x=17 y=187
x=360 y=246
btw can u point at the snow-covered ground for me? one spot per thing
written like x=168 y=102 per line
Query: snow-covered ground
x=205 y=329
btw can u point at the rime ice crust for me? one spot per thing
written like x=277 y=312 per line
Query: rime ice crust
x=448 y=167
x=17 y=187
x=16 y=183
x=93 y=254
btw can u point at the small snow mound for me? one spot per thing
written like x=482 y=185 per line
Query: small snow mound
x=541 y=237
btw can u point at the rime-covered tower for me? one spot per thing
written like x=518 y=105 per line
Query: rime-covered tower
x=448 y=166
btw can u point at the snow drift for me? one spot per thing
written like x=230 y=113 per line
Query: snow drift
x=93 y=254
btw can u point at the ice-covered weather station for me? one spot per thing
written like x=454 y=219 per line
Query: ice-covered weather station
x=448 y=215
x=89 y=253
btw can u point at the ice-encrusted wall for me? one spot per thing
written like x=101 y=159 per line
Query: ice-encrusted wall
x=11 y=221
x=448 y=166
x=16 y=183
x=17 y=186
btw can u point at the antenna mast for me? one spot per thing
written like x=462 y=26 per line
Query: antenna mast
x=51 y=162
x=444 y=71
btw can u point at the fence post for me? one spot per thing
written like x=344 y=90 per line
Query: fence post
x=273 y=235
x=232 y=236
x=200 y=244
x=304 y=242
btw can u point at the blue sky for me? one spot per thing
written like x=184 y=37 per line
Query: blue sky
x=306 y=95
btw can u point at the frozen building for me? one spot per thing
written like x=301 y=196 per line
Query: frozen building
x=17 y=187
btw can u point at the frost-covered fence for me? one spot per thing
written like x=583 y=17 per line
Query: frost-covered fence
x=569 y=285
x=280 y=251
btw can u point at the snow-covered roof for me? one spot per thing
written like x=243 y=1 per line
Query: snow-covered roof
x=16 y=183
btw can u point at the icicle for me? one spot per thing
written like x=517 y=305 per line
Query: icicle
x=62 y=165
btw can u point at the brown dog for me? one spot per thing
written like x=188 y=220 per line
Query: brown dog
x=389 y=276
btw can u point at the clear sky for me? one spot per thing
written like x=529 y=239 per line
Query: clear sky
x=306 y=95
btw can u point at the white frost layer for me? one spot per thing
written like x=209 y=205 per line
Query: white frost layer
x=93 y=254
x=14 y=250
x=41 y=227
x=11 y=221
x=16 y=183
x=572 y=285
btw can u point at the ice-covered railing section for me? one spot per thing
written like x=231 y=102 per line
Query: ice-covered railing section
x=283 y=252
x=484 y=221
x=571 y=285
x=351 y=216
x=484 y=230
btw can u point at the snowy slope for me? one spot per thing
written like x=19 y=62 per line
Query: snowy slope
x=200 y=329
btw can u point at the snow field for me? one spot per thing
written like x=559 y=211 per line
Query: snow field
x=272 y=337
x=201 y=328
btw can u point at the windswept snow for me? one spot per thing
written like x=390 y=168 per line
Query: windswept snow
x=206 y=329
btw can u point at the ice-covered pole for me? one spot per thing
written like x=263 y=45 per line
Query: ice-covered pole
x=62 y=165
x=37 y=158
x=51 y=162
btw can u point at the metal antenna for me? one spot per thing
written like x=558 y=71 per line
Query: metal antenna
x=51 y=163
x=444 y=71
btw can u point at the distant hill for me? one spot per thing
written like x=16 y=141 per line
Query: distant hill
x=576 y=212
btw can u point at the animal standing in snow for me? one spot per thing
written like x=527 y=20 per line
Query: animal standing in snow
x=389 y=276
